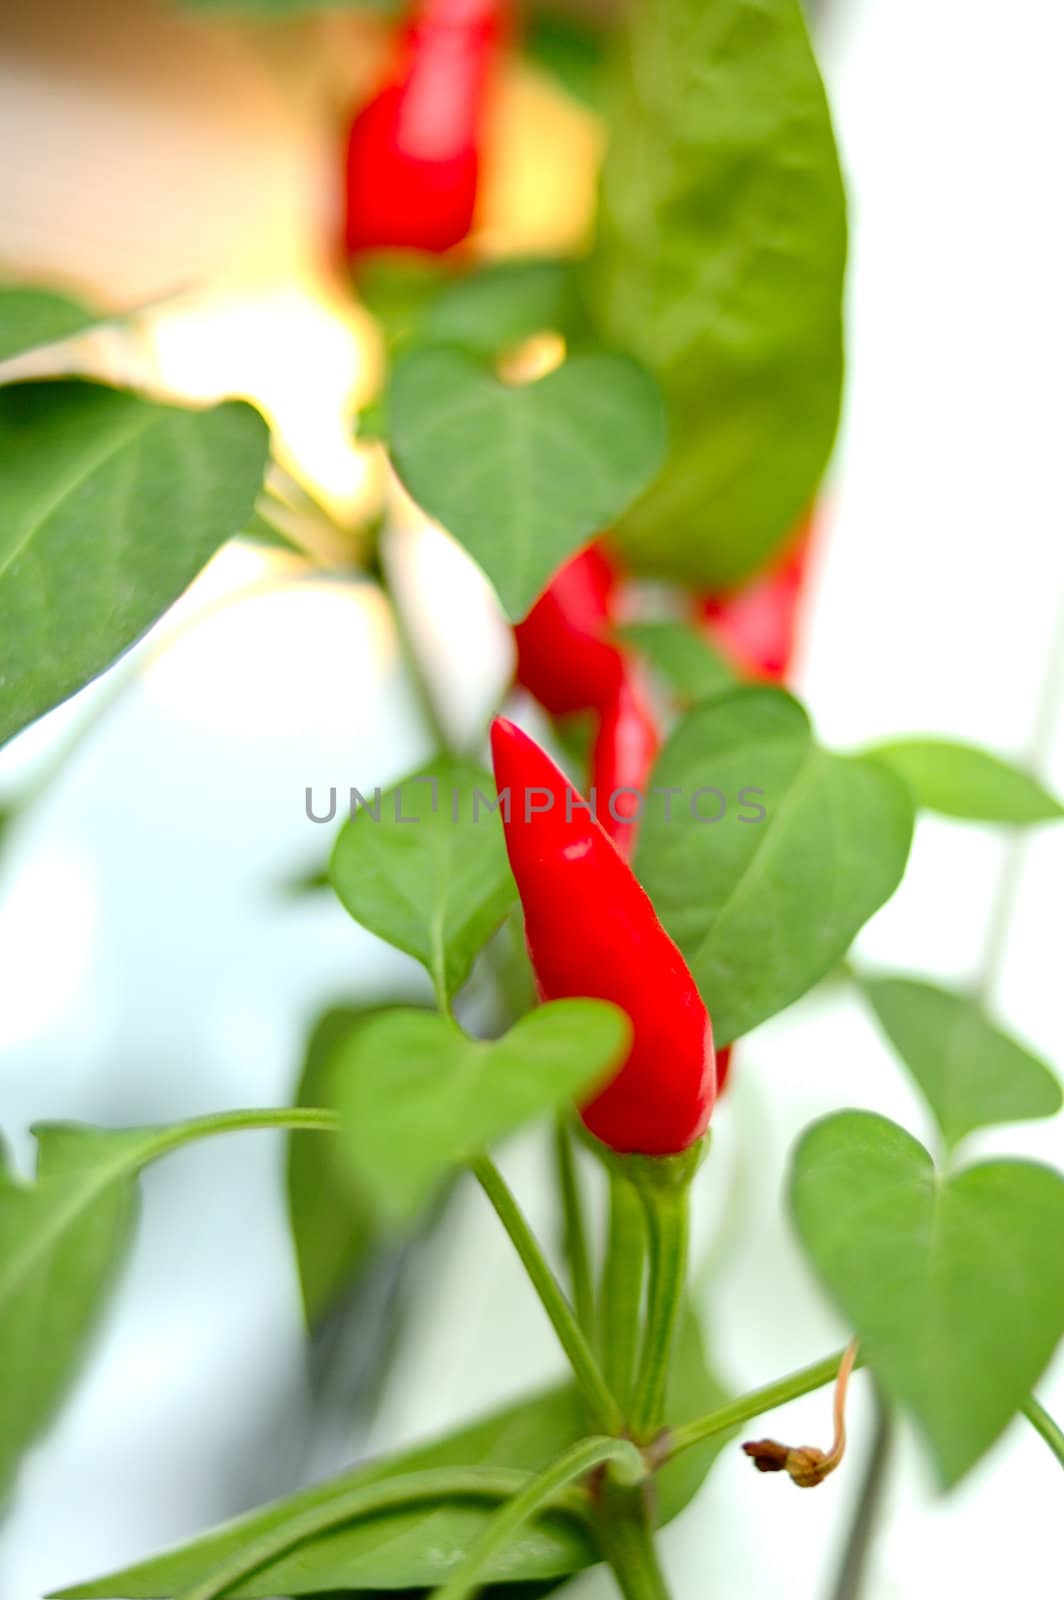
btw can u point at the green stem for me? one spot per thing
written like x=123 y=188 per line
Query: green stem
x=622 y=1287
x=575 y=1241
x=359 y=1500
x=667 y=1211
x=753 y=1404
x=1043 y=1423
x=627 y=1540
x=539 y=1492
x=603 y=1406
x=296 y=1118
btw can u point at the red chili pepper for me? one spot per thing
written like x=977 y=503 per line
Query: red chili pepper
x=757 y=626
x=625 y=749
x=412 y=151
x=565 y=656
x=723 y=1063
x=591 y=930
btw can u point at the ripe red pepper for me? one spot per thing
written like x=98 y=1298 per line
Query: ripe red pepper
x=626 y=747
x=757 y=626
x=591 y=930
x=412 y=151
x=565 y=656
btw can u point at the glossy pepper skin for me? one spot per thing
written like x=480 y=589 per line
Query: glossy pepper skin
x=566 y=658
x=592 y=931
x=625 y=749
x=757 y=626
x=413 y=162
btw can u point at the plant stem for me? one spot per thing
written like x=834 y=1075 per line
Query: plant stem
x=603 y=1406
x=575 y=1241
x=854 y=1564
x=1043 y=1423
x=622 y=1287
x=1006 y=894
x=539 y=1492
x=667 y=1212
x=728 y=1417
x=627 y=1539
x=358 y=1500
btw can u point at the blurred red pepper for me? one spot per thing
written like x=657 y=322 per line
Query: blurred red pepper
x=591 y=930
x=723 y=1063
x=626 y=747
x=413 y=150
x=565 y=655
x=757 y=626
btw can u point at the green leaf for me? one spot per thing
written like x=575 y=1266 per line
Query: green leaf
x=505 y=302
x=424 y=866
x=62 y=1241
x=960 y=780
x=683 y=657
x=109 y=506
x=397 y=286
x=952 y=1283
x=332 y=1219
x=762 y=908
x=30 y=318
x=720 y=260
x=419 y=1097
x=416 y=1549
x=523 y=475
x=973 y=1074
x=570 y=51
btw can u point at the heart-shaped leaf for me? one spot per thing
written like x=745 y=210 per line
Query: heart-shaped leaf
x=769 y=854
x=417 y=1548
x=973 y=1074
x=419 y=1097
x=32 y=317
x=523 y=475
x=109 y=506
x=960 y=780
x=720 y=255
x=424 y=866
x=953 y=1283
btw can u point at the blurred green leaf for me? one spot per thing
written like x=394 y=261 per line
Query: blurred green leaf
x=973 y=1074
x=415 y=1549
x=571 y=51
x=763 y=907
x=523 y=475
x=719 y=262
x=952 y=1283
x=30 y=318
x=63 y=1239
x=419 y=1097
x=430 y=874
x=109 y=507
x=331 y=1217
x=397 y=287
x=960 y=780
x=495 y=308
x=684 y=658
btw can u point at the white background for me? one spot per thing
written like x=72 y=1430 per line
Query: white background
x=148 y=969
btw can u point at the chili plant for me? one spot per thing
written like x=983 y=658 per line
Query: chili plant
x=662 y=408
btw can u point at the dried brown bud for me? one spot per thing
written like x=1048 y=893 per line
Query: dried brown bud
x=767 y=1455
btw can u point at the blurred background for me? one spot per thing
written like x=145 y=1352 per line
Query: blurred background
x=187 y=163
